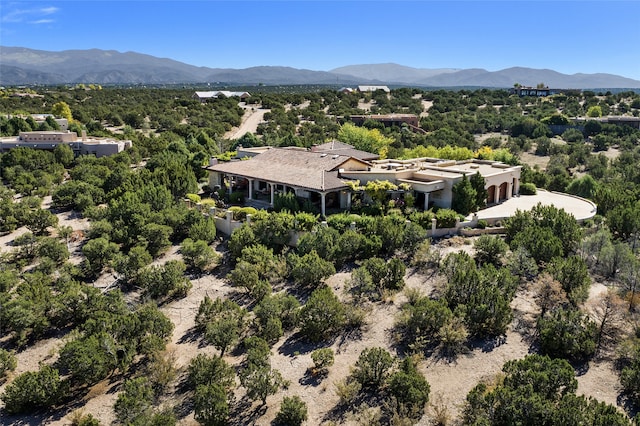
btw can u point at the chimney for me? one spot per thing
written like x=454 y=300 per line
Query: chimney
x=84 y=136
x=213 y=161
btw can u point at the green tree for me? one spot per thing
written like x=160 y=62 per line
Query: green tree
x=211 y=405
x=98 y=253
x=89 y=359
x=208 y=370
x=309 y=270
x=464 y=197
x=594 y=111
x=409 y=390
x=364 y=139
x=489 y=249
x=135 y=401
x=372 y=367
x=33 y=390
x=39 y=220
x=567 y=333
x=222 y=321
x=322 y=316
x=8 y=362
x=478 y=183
x=198 y=254
x=261 y=382
x=293 y=411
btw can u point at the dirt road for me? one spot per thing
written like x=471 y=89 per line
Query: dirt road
x=250 y=120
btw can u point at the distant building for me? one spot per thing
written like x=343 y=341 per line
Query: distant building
x=63 y=123
x=534 y=91
x=203 y=96
x=373 y=88
x=84 y=145
x=346 y=90
x=389 y=120
x=619 y=120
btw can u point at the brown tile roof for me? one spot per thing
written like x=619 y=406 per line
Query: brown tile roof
x=316 y=171
x=337 y=147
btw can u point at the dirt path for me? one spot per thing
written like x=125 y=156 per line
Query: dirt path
x=250 y=120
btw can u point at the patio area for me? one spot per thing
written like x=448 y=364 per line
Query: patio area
x=580 y=208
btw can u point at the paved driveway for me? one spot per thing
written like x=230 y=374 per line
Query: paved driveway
x=580 y=208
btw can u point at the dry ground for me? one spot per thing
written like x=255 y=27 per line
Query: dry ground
x=450 y=380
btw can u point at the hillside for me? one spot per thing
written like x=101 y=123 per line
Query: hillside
x=22 y=66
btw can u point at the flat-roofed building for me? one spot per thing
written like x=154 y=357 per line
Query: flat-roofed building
x=49 y=140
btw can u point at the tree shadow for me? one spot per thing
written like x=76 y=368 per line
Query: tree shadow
x=310 y=379
x=296 y=344
x=488 y=344
x=190 y=336
x=627 y=403
x=243 y=412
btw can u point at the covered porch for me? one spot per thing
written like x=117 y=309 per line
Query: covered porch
x=261 y=193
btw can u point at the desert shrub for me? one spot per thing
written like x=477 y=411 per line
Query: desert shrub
x=33 y=390
x=293 y=411
x=205 y=370
x=8 y=362
x=528 y=189
x=135 y=402
x=409 y=390
x=489 y=249
x=446 y=218
x=372 y=367
x=309 y=270
x=211 y=405
x=322 y=359
x=567 y=333
x=322 y=315
x=572 y=273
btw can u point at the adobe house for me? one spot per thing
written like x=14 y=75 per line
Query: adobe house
x=321 y=176
x=432 y=180
x=308 y=174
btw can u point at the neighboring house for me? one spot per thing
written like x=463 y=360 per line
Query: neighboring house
x=411 y=120
x=63 y=123
x=321 y=176
x=619 y=120
x=48 y=140
x=346 y=90
x=373 y=88
x=204 y=96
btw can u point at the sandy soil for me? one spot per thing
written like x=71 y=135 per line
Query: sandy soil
x=253 y=115
x=450 y=380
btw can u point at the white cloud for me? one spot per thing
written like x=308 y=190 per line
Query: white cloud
x=32 y=15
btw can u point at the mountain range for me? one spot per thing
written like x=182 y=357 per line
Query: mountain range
x=23 y=66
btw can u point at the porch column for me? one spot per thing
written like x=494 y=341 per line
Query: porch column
x=348 y=200
x=250 y=189
x=272 y=186
x=323 y=203
x=496 y=195
x=509 y=189
x=230 y=184
x=426 y=201
x=516 y=186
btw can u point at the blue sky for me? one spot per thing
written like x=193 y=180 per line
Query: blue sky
x=566 y=36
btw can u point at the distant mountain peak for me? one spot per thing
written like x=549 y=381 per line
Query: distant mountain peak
x=24 y=66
